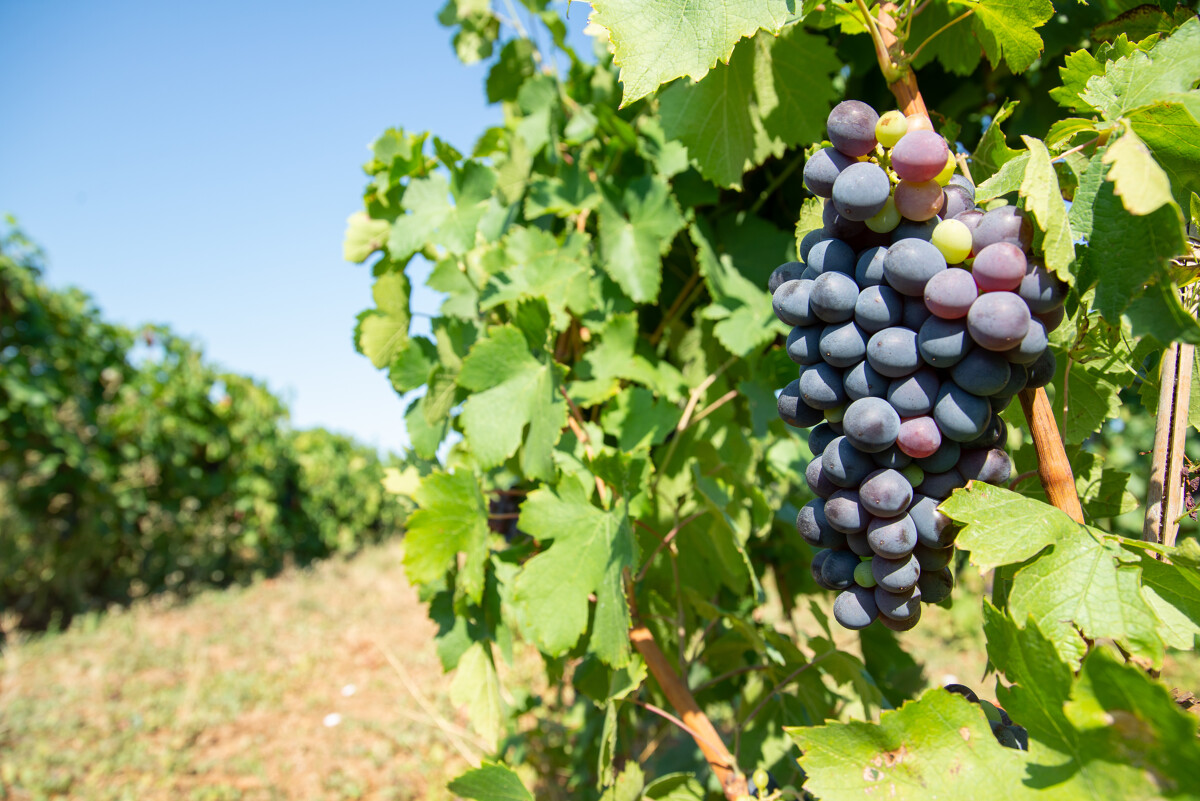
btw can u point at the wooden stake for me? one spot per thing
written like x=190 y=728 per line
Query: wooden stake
x=1164 y=500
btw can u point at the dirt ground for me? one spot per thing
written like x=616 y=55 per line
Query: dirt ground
x=320 y=683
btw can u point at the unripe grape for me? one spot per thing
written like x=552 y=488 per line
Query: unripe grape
x=953 y=239
x=863 y=576
x=943 y=177
x=886 y=219
x=890 y=128
x=918 y=122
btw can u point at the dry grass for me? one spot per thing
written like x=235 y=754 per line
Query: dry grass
x=226 y=697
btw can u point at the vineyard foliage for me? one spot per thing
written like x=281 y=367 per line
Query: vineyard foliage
x=604 y=362
x=130 y=465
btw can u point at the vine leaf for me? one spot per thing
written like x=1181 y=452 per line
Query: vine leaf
x=511 y=390
x=427 y=203
x=477 y=687
x=639 y=420
x=1141 y=78
x=940 y=742
x=1005 y=28
x=657 y=42
x=539 y=266
x=1084 y=581
x=1172 y=133
x=1043 y=199
x=493 y=781
x=382 y=332
x=599 y=373
x=1173 y=592
x=364 y=236
x=635 y=235
x=589 y=549
x=451 y=518
x=793 y=84
x=1136 y=177
x=1113 y=732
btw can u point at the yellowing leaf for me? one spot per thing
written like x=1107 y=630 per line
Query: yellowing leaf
x=1137 y=179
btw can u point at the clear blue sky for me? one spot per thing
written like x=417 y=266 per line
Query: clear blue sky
x=194 y=164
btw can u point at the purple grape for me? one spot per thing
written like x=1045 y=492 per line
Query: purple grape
x=819 y=438
x=858 y=545
x=792 y=302
x=893 y=352
x=943 y=343
x=871 y=424
x=934 y=529
x=971 y=219
x=999 y=267
x=1017 y=375
x=818 y=562
x=957 y=200
x=914 y=394
x=964 y=182
x=980 y=372
x=901 y=625
x=919 y=437
x=915 y=313
x=794 y=411
x=940 y=485
x=863 y=381
x=1052 y=319
x=807 y=242
x=932 y=558
x=832 y=298
x=996 y=433
x=804 y=344
x=838 y=569
x=920 y=156
x=950 y=293
x=895 y=575
x=851 y=128
x=1031 y=346
x=843 y=344
x=854 y=608
x=845 y=513
x=1042 y=371
x=910 y=263
x=821 y=386
x=822 y=170
x=961 y=415
x=817 y=481
x=831 y=256
x=838 y=227
x=789 y=271
x=845 y=465
x=898 y=605
x=885 y=493
x=1005 y=224
x=861 y=190
x=911 y=229
x=891 y=459
x=868 y=271
x=919 y=201
x=990 y=465
x=877 y=308
x=943 y=459
x=998 y=320
x=936 y=585
x=815 y=529
x=892 y=538
x=1041 y=290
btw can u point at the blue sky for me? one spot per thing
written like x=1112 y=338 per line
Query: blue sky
x=194 y=164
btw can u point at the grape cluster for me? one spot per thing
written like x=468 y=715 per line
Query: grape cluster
x=1007 y=733
x=916 y=319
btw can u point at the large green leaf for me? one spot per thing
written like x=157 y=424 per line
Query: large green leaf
x=1136 y=177
x=660 y=41
x=451 y=519
x=1141 y=78
x=589 y=548
x=1043 y=199
x=539 y=266
x=427 y=205
x=1171 y=131
x=1006 y=29
x=635 y=235
x=492 y=781
x=938 y=747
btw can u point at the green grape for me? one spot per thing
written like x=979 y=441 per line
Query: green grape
x=890 y=128
x=943 y=177
x=953 y=239
x=886 y=219
x=863 y=576
x=835 y=414
x=913 y=473
x=761 y=780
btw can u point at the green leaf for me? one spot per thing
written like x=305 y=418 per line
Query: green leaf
x=1094 y=393
x=514 y=66
x=1007 y=179
x=1080 y=214
x=1126 y=252
x=1158 y=313
x=993 y=151
x=1006 y=29
x=1043 y=199
x=1172 y=134
x=1137 y=179
x=657 y=42
x=1173 y=593
x=494 y=781
x=1141 y=78
x=542 y=267
x=364 y=236
x=941 y=741
x=794 y=88
x=427 y=205
x=477 y=686
x=675 y=787
x=382 y=332
x=638 y=419
x=1062 y=131
x=510 y=390
x=745 y=322
x=1002 y=527
x=590 y=549
x=424 y=437
x=717 y=120
x=634 y=237
x=1112 y=733
x=410 y=369
x=599 y=373
x=958 y=52
x=451 y=518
